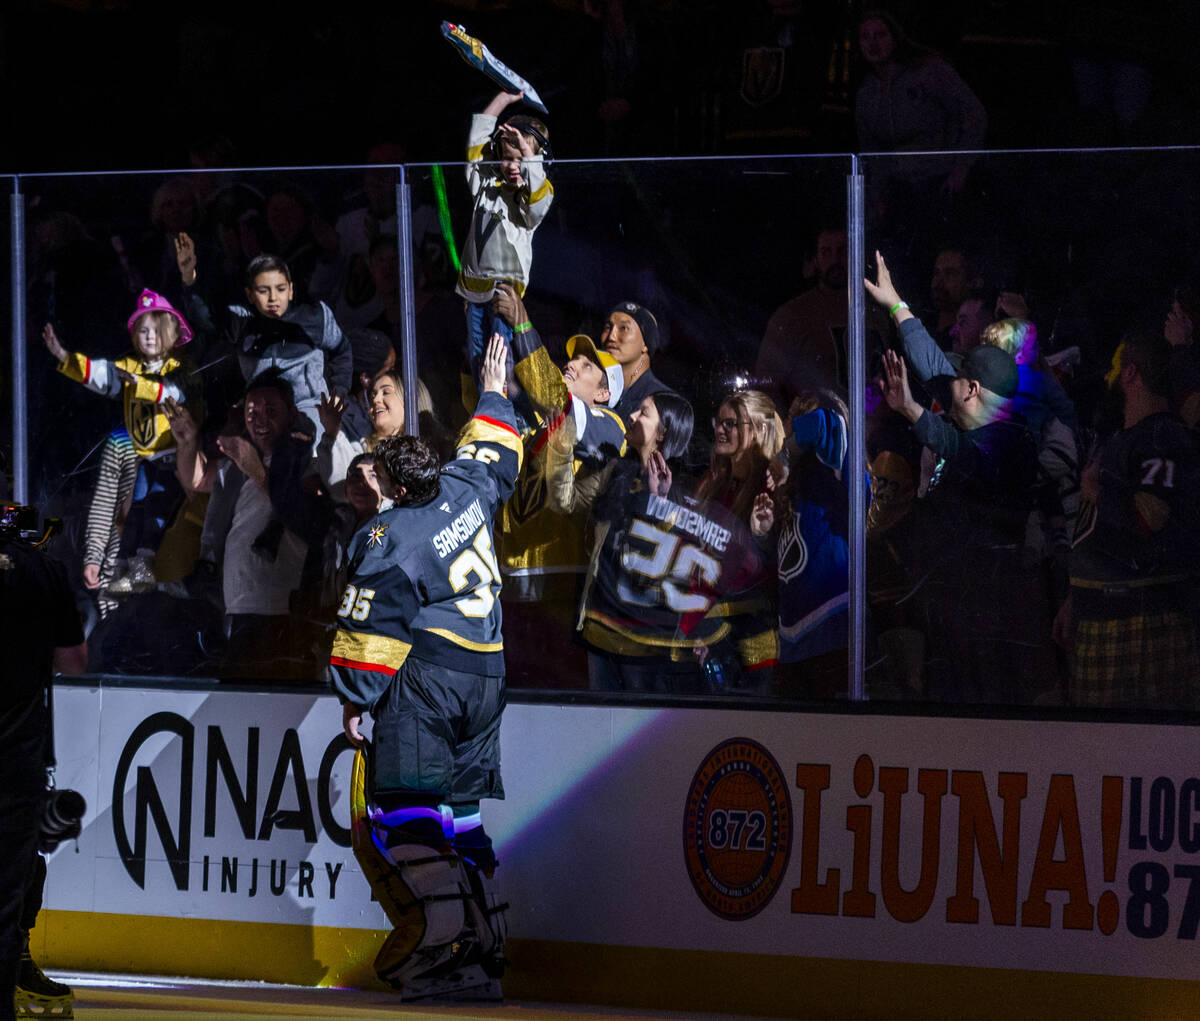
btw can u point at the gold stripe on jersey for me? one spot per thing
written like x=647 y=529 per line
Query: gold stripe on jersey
x=368 y=652
x=479 y=285
x=543 y=381
x=475 y=153
x=481 y=429
x=759 y=650
x=605 y=633
x=620 y=421
x=546 y=189
x=464 y=643
x=739 y=607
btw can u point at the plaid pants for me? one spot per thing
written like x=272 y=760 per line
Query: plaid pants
x=1148 y=660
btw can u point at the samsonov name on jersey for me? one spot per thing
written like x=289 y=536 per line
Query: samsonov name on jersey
x=690 y=521
x=461 y=529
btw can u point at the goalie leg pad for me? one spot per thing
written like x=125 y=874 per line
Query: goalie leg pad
x=434 y=899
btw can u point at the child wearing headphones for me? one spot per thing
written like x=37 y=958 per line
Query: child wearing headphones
x=507 y=177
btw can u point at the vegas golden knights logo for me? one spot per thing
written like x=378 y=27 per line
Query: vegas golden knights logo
x=528 y=497
x=141 y=423
x=762 y=74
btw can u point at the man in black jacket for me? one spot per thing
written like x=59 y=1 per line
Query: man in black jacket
x=983 y=611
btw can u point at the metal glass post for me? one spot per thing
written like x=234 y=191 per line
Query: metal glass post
x=408 y=335
x=857 y=461
x=20 y=431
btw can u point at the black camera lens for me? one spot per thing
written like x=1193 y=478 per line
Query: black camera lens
x=62 y=818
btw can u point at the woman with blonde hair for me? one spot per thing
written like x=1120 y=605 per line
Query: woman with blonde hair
x=1040 y=397
x=747 y=434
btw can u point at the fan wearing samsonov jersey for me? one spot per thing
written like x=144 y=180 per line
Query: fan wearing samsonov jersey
x=418 y=646
x=662 y=561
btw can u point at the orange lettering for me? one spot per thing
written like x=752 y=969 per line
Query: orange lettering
x=904 y=905
x=1069 y=873
x=977 y=831
x=812 y=897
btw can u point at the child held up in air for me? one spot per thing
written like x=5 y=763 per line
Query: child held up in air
x=506 y=173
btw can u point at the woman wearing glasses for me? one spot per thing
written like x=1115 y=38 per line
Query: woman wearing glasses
x=747 y=434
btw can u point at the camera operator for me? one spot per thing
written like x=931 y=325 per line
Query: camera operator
x=42 y=634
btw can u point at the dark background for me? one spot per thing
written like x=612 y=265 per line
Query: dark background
x=105 y=84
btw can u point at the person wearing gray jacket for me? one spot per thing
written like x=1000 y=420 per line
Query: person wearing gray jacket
x=302 y=341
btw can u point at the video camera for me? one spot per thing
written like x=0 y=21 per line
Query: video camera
x=62 y=812
x=19 y=522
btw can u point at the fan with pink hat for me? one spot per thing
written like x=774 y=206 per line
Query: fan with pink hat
x=144 y=380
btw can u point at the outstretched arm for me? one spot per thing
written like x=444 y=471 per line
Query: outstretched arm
x=921 y=350
x=53 y=344
x=98 y=374
x=884 y=291
x=501 y=101
x=895 y=387
x=535 y=371
x=491 y=436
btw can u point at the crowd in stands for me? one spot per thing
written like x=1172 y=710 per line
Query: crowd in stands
x=1031 y=484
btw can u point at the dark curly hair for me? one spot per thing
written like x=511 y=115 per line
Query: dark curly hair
x=411 y=464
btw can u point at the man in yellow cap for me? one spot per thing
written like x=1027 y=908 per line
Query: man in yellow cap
x=542 y=553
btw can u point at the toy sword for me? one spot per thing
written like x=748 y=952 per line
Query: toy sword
x=481 y=58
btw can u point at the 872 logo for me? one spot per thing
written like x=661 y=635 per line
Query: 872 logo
x=737 y=829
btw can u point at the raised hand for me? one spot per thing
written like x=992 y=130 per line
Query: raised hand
x=508 y=305
x=883 y=290
x=330 y=412
x=1178 y=327
x=658 y=474
x=501 y=101
x=244 y=454
x=53 y=344
x=762 y=515
x=493 y=372
x=185 y=258
x=895 y=387
x=518 y=140
x=183 y=426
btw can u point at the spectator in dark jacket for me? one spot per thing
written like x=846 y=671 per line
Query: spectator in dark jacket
x=982 y=612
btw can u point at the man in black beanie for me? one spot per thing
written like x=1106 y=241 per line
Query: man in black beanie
x=631 y=336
